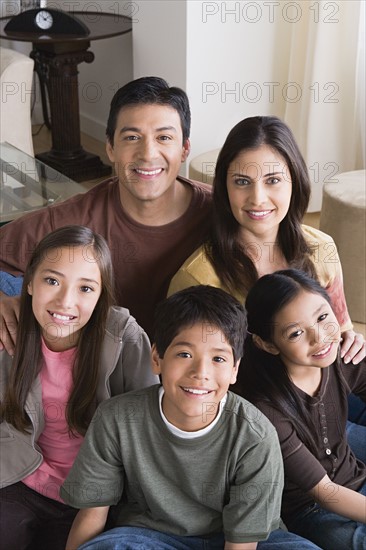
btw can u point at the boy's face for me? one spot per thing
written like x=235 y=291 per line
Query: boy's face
x=196 y=371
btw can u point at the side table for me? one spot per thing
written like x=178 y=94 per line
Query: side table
x=56 y=59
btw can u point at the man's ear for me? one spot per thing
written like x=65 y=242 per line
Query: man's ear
x=186 y=150
x=155 y=360
x=30 y=288
x=110 y=150
x=265 y=346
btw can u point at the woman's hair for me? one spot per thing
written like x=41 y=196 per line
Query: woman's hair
x=27 y=361
x=233 y=266
x=263 y=376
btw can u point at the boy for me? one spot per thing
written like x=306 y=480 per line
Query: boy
x=194 y=465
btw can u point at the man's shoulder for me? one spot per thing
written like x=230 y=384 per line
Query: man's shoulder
x=199 y=188
x=49 y=218
x=102 y=189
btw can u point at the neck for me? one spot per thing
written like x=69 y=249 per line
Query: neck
x=264 y=251
x=157 y=211
x=306 y=379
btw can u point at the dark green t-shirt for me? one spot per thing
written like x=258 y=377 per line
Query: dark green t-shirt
x=229 y=480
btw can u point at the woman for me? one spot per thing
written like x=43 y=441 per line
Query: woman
x=261 y=193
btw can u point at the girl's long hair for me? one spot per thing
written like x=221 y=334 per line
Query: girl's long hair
x=263 y=377
x=28 y=361
x=233 y=266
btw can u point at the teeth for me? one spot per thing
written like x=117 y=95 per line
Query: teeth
x=259 y=214
x=197 y=392
x=323 y=352
x=62 y=317
x=149 y=172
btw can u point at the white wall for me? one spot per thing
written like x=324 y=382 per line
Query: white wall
x=160 y=40
x=224 y=54
x=232 y=51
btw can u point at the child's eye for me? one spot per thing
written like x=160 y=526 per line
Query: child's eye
x=218 y=359
x=322 y=317
x=241 y=182
x=184 y=354
x=295 y=334
x=51 y=281
x=86 y=289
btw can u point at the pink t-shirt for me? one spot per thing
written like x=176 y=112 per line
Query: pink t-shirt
x=58 y=447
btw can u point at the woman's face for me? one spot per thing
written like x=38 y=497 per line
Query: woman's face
x=259 y=188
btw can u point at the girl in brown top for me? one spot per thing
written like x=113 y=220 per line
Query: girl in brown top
x=293 y=373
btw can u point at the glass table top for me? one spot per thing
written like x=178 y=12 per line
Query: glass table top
x=27 y=184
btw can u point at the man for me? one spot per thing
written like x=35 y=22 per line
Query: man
x=152 y=218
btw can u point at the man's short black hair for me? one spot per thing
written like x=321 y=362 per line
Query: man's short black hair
x=200 y=304
x=149 y=90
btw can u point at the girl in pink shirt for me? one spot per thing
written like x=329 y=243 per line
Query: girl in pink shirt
x=73 y=350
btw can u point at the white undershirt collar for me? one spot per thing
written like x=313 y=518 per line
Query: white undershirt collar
x=189 y=435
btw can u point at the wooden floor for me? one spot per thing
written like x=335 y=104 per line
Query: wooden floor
x=42 y=142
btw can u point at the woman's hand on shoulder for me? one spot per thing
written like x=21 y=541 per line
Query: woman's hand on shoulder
x=353 y=348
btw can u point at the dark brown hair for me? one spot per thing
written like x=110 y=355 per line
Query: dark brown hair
x=28 y=356
x=149 y=90
x=233 y=266
x=204 y=304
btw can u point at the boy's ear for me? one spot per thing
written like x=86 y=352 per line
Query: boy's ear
x=265 y=346
x=234 y=374
x=155 y=360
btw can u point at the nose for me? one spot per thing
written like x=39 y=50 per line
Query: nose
x=200 y=369
x=316 y=334
x=148 y=149
x=258 y=195
x=65 y=297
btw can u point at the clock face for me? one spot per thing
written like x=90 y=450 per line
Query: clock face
x=44 y=20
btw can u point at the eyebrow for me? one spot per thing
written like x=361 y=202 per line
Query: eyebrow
x=136 y=129
x=319 y=309
x=236 y=174
x=298 y=323
x=59 y=274
x=189 y=344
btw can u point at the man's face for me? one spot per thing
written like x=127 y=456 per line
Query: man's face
x=147 y=152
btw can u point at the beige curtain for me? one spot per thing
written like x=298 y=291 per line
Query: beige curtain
x=325 y=100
